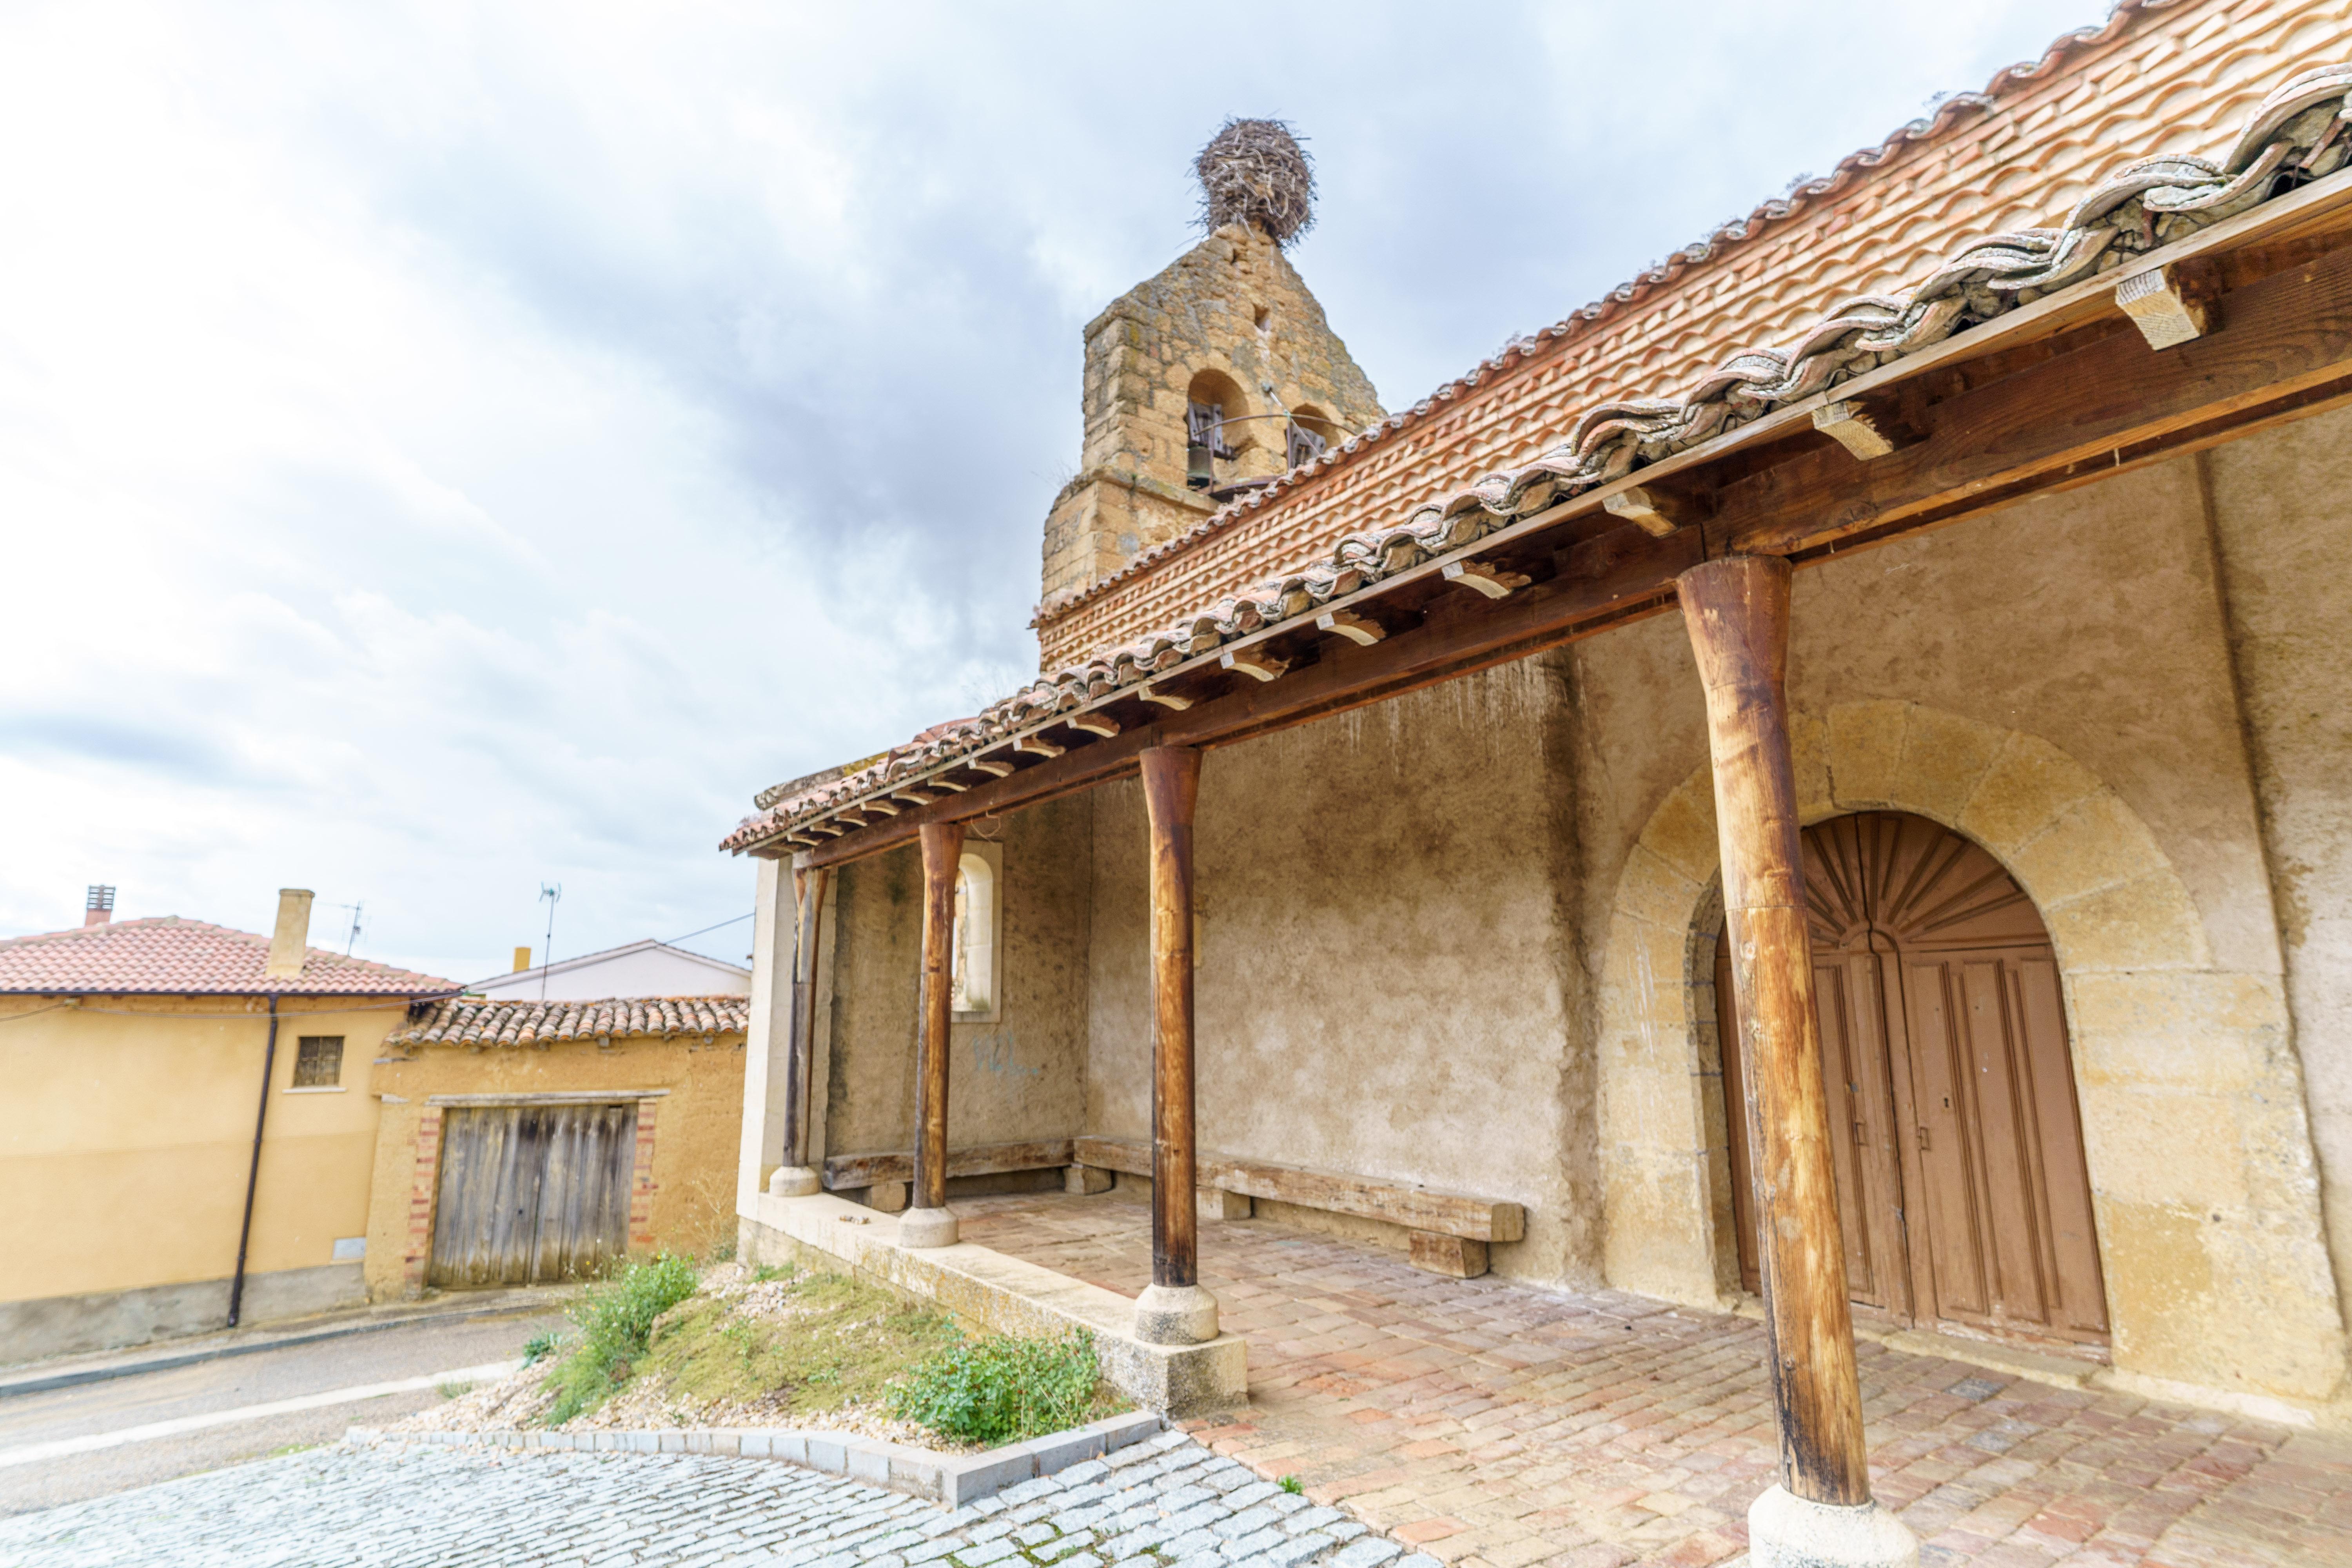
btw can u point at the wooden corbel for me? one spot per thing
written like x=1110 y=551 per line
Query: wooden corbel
x=1168 y=700
x=1866 y=433
x=878 y=804
x=1037 y=746
x=2170 y=305
x=1646 y=509
x=951 y=785
x=1356 y=628
x=913 y=796
x=993 y=767
x=1253 y=661
x=1487 y=579
x=1095 y=723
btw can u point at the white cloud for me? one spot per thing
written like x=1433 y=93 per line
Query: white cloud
x=446 y=449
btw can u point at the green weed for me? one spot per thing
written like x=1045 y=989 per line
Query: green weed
x=615 y=1320
x=843 y=1343
x=1290 y=1484
x=539 y=1346
x=1001 y=1390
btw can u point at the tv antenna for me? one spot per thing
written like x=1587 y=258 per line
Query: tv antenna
x=552 y=892
x=351 y=940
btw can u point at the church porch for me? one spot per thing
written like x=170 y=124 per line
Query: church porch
x=1494 y=1423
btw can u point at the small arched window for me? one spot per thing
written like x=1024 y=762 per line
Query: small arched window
x=973 y=993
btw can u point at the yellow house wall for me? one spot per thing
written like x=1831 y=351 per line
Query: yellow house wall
x=697 y=1128
x=131 y=1128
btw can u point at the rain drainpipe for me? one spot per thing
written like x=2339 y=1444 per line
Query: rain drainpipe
x=253 y=1173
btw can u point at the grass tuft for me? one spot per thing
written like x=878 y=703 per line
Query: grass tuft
x=615 y=1320
x=1290 y=1484
x=1001 y=1390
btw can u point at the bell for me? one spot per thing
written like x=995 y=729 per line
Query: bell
x=1200 y=466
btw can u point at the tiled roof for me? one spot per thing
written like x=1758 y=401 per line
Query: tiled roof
x=2290 y=137
x=472 y=1021
x=188 y=958
x=2013 y=156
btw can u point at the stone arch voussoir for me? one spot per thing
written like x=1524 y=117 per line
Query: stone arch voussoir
x=2201 y=1166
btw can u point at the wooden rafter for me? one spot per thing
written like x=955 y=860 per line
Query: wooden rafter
x=2059 y=393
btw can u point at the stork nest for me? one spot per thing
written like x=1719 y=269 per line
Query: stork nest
x=1255 y=172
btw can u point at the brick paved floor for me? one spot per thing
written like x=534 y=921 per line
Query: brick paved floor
x=1494 y=1425
x=1169 y=1504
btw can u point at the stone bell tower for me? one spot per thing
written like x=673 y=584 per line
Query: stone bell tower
x=1211 y=378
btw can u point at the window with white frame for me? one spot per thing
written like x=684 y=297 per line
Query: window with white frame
x=979 y=898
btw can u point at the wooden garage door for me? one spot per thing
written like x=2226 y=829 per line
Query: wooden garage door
x=531 y=1193
x=1962 y=1191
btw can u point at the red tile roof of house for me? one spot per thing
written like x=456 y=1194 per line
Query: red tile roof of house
x=175 y=957
x=474 y=1021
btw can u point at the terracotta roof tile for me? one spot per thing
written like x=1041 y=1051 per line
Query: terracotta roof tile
x=474 y=1021
x=188 y=958
x=1349 y=520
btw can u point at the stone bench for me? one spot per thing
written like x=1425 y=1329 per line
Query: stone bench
x=1448 y=1233
x=884 y=1177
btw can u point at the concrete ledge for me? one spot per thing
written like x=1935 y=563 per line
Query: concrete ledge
x=52 y=1326
x=1003 y=1295
x=954 y=1479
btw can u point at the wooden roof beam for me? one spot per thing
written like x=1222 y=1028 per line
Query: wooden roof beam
x=1990 y=436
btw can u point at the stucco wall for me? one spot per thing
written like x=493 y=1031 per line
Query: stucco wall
x=697 y=1133
x=1019 y=1077
x=128 y=1141
x=2052 y=680
x=1387 y=984
x=2284 y=530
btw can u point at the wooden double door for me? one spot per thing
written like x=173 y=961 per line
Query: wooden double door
x=1962 y=1193
x=530 y=1194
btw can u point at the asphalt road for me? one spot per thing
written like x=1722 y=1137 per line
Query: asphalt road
x=232 y=1382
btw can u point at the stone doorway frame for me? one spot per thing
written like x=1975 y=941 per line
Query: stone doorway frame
x=2203 y=1175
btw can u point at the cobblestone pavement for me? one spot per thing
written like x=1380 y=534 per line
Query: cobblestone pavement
x=1167 y=1504
x=1494 y=1426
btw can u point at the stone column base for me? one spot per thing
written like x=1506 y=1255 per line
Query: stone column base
x=1785 y=1531
x=1175 y=1315
x=791 y=1182
x=927 y=1228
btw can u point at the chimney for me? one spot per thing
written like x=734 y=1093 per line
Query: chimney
x=98 y=908
x=522 y=959
x=289 y=943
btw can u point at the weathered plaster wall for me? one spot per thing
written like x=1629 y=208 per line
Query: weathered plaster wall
x=2284 y=528
x=129 y=1134
x=697 y=1133
x=2052 y=680
x=1387 y=984
x=1020 y=1077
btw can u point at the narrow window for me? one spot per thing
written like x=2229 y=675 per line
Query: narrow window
x=319 y=1062
x=972 y=992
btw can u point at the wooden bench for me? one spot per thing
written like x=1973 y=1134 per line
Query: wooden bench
x=851 y=1173
x=1448 y=1232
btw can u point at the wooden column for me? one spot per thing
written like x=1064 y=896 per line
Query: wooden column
x=928 y=1223
x=1171 y=782
x=808 y=901
x=1737 y=612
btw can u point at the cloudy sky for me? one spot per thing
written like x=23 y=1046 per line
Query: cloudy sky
x=447 y=449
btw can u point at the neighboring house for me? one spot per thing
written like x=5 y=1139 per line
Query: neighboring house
x=132 y=1054
x=410 y=1137
x=641 y=969
x=527 y=1141
x=2054 y=439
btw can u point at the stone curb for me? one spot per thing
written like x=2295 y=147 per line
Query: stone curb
x=954 y=1479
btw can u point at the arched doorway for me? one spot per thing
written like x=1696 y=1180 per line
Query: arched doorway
x=1962 y=1190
